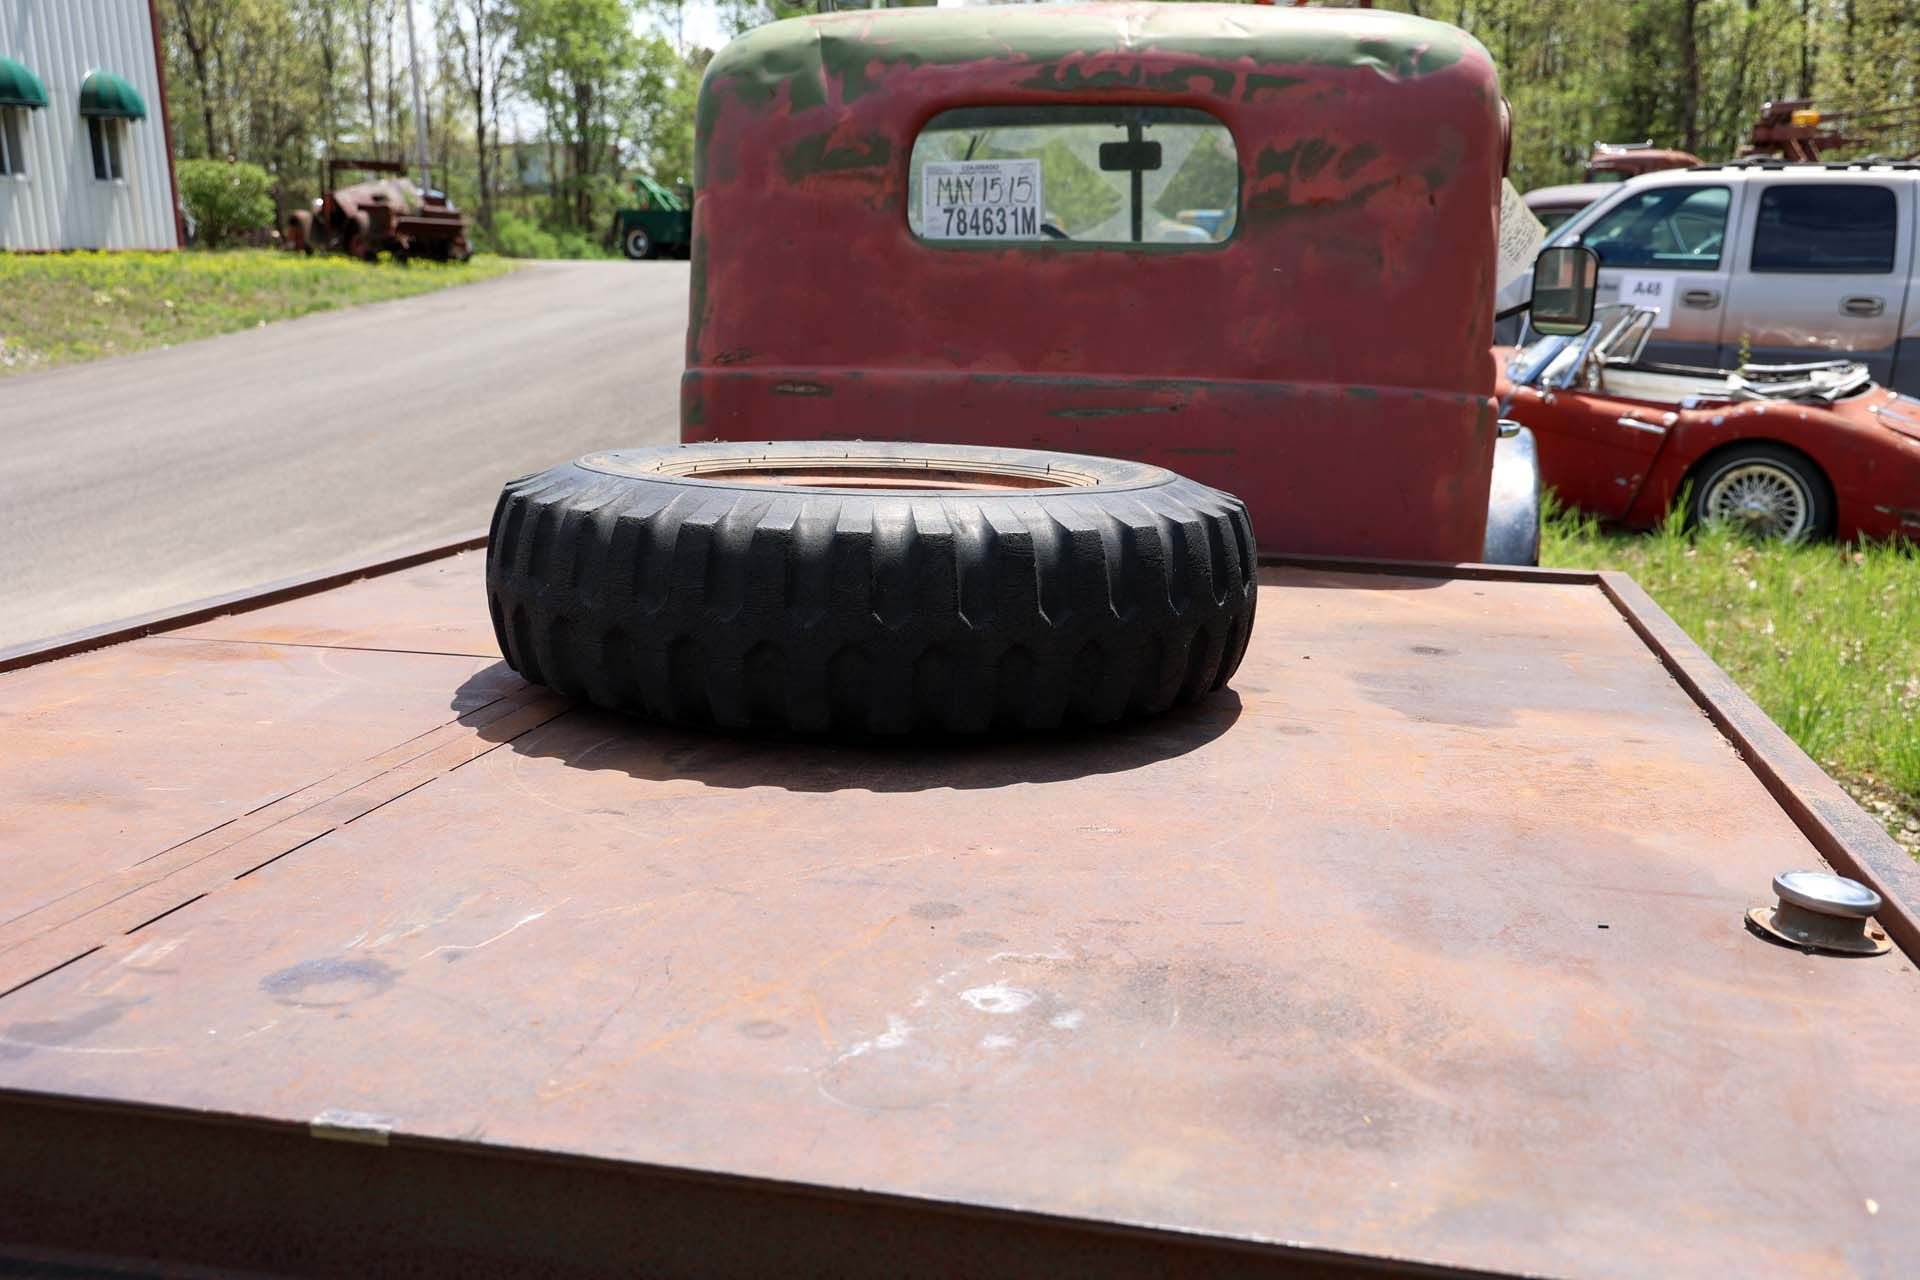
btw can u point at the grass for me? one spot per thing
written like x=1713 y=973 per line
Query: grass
x=61 y=308
x=1825 y=637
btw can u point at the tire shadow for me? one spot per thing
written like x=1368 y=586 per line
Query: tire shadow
x=585 y=737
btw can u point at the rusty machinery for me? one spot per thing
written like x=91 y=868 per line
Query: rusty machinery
x=388 y=213
x=1796 y=131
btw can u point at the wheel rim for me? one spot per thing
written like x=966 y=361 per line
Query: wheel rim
x=1761 y=499
x=638 y=244
x=956 y=474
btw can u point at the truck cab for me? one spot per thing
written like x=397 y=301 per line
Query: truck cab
x=1157 y=232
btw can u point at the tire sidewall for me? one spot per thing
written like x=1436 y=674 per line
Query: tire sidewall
x=1802 y=473
x=637 y=244
x=624 y=580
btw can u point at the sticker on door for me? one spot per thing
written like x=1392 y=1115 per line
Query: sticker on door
x=1658 y=292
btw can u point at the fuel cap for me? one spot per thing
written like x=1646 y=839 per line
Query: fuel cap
x=1820 y=911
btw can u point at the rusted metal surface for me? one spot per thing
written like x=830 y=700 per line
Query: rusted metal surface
x=1631 y=159
x=389 y=214
x=426 y=611
x=111 y=758
x=91 y=638
x=1850 y=841
x=1795 y=131
x=1370 y=149
x=1424 y=944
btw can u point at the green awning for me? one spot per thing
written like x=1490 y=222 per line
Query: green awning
x=106 y=94
x=19 y=87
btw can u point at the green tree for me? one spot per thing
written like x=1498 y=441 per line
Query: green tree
x=476 y=39
x=579 y=65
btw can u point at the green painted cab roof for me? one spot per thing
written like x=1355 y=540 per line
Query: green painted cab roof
x=1396 y=45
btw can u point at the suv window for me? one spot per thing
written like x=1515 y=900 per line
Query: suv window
x=1825 y=227
x=1101 y=175
x=1680 y=228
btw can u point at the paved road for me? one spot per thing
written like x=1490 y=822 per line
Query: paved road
x=144 y=482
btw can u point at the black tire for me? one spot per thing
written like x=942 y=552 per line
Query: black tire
x=1078 y=591
x=637 y=244
x=300 y=227
x=360 y=243
x=1785 y=467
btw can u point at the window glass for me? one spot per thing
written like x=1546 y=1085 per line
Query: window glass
x=105 y=137
x=1825 y=227
x=1679 y=228
x=1098 y=175
x=13 y=159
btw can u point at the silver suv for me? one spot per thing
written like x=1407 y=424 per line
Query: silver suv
x=1760 y=262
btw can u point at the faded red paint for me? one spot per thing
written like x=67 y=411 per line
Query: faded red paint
x=1327 y=364
x=1867 y=446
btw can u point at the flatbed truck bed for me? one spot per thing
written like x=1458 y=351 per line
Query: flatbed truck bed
x=329 y=945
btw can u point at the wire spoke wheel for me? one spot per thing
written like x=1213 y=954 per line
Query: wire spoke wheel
x=1760 y=499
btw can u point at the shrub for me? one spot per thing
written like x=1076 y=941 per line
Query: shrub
x=573 y=244
x=517 y=237
x=226 y=199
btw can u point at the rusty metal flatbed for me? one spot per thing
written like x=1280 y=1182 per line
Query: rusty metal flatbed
x=328 y=944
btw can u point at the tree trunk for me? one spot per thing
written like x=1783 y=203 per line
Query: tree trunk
x=480 y=110
x=366 y=69
x=584 y=165
x=1806 y=49
x=196 y=40
x=393 y=90
x=1690 y=82
x=329 y=68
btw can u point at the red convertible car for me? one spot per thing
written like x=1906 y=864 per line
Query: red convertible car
x=1786 y=451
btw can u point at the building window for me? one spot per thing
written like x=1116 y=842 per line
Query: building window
x=109 y=148
x=13 y=155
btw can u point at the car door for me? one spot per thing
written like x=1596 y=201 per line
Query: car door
x=1596 y=450
x=1664 y=246
x=1824 y=272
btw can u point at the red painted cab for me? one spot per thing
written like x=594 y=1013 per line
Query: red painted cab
x=1256 y=245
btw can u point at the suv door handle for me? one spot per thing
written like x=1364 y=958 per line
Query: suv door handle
x=1701 y=297
x=1862 y=304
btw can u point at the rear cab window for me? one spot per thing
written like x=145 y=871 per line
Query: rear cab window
x=1119 y=175
x=1676 y=228
x=1836 y=228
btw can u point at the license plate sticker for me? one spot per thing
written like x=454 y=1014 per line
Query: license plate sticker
x=980 y=200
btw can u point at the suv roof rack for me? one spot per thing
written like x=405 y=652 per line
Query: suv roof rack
x=1832 y=166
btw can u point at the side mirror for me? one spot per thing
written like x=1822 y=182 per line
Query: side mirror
x=1565 y=279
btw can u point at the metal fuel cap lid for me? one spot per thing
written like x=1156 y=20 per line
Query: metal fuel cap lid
x=1819 y=911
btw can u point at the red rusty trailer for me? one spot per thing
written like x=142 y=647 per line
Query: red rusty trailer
x=331 y=946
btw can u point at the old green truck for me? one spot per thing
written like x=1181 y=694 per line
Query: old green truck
x=659 y=225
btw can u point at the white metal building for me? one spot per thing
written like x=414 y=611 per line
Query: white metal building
x=85 y=160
